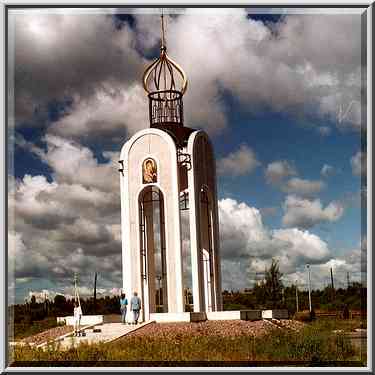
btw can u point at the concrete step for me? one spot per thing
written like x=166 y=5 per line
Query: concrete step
x=109 y=332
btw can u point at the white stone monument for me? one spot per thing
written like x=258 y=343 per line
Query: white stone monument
x=167 y=169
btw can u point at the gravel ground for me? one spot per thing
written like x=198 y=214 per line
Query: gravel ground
x=294 y=325
x=211 y=327
x=168 y=330
x=50 y=334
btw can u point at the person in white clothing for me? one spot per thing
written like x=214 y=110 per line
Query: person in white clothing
x=77 y=318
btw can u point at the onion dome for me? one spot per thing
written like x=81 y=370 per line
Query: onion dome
x=165 y=83
x=161 y=75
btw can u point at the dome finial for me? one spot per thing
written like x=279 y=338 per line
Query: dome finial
x=163 y=47
x=160 y=76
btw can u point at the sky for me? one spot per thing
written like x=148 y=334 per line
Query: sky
x=278 y=94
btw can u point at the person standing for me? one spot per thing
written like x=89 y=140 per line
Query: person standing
x=123 y=307
x=135 y=306
x=77 y=318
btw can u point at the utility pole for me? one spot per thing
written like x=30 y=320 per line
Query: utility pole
x=297 y=295
x=332 y=287
x=347 y=277
x=308 y=269
x=96 y=276
x=76 y=294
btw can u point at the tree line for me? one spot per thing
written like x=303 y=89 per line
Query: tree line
x=268 y=294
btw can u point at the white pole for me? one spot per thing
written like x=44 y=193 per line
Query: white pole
x=308 y=268
x=296 y=295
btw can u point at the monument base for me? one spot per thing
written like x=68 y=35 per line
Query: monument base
x=219 y=315
x=275 y=314
x=178 y=317
x=85 y=320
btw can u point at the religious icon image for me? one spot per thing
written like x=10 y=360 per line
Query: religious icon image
x=149 y=171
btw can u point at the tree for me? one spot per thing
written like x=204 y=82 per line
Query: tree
x=273 y=285
x=60 y=303
x=259 y=293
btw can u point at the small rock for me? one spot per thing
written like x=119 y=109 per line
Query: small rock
x=338 y=331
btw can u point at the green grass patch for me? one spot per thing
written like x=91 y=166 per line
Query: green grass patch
x=23 y=329
x=315 y=345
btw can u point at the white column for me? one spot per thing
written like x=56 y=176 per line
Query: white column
x=128 y=260
x=194 y=220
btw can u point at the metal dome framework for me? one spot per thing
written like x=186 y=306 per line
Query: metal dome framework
x=159 y=81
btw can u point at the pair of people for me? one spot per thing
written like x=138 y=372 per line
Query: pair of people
x=135 y=306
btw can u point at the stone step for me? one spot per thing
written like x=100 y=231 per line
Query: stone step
x=108 y=332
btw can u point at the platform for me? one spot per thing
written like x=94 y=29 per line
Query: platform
x=109 y=332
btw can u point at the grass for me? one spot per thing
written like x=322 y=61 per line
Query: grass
x=22 y=330
x=315 y=345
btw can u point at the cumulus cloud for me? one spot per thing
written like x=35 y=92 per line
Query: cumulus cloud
x=304 y=213
x=302 y=187
x=89 y=63
x=61 y=227
x=358 y=163
x=238 y=163
x=324 y=130
x=327 y=170
x=247 y=246
x=85 y=237
x=73 y=163
x=105 y=114
x=288 y=52
x=352 y=263
x=278 y=170
x=68 y=56
x=268 y=211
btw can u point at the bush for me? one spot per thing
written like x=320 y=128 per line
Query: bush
x=303 y=316
x=25 y=329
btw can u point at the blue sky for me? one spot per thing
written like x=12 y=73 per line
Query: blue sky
x=279 y=97
x=309 y=150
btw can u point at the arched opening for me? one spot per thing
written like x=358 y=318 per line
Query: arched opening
x=206 y=254
x=153 y=251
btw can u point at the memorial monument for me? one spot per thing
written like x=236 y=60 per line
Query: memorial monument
x=166 y=169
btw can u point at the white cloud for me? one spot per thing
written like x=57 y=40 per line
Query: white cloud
x=302 y=186
x=304 y=213
x=112 y=115
x=278 y=170
x=73 y=163
x=324 y=130
x=358 y=163
x=327 y=170
x=238 y=163
x=70 y=56
x=247 y=246
x=88 y=240
x=315 y=77
x=301 y=53
x=60 y=229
